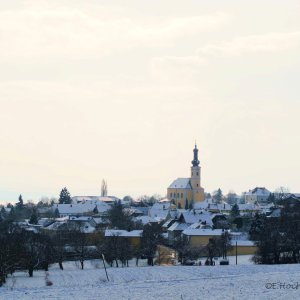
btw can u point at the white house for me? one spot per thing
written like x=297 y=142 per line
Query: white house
x=257 y=195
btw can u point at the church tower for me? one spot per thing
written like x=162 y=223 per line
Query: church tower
x=198 y=191
x=185 y=192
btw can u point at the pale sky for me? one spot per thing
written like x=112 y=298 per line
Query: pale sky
x=122 y=89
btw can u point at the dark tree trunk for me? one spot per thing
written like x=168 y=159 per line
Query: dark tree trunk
x=30 y=271
x=60 y=265
x=46 y=266
x=81 y=262
x=150 y=261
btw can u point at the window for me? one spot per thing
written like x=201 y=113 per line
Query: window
x=197 y=173
x=170 y=195
x=197 y=184
x=177 y=195
x=181 y=195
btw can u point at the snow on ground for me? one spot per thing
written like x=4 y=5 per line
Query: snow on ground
x=242 y=281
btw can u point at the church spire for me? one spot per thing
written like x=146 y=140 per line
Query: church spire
x=195 y=161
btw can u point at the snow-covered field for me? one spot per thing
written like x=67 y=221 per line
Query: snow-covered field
x=242 y=281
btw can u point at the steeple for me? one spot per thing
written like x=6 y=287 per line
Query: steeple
x=195 y=161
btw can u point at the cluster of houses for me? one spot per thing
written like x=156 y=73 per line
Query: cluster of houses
x=185 y=212
x=197 y=224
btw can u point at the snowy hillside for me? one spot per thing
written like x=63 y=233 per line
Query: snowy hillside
x=245 y=281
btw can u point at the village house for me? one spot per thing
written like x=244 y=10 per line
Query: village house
x=258 y=195
x=134 y=236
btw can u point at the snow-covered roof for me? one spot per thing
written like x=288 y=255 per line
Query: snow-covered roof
x=200 y=225
x=190 y=217
x=242 y=243
x=297 y=195
x=56 y=225
x=219 y=207
x=248 y=206
x=201 y=232
x=123 y=233
x=99 y=220
x=259 y=191
x=85 y=227
x=94 y=198
x=82 y=207
x=275 y=213
x=81 y=218
x=181 y=183
x=161 y=206
x=146 y=219
x=143 y=209
x=201 y=205
x=194 y=216
x=167 y=223
x=45 y=221
x=164 y=200
x=178 y=226
x=159 y=211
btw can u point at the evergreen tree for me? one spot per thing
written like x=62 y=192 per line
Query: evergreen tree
x=20 y=204
x=224 y=243
x=64 y=196
x=3 y=213
x=119 y=218
x=33 y=219
x=56 y=213
x=186 y=204
x=12 y=214
x=235 y=212
x=179 y=205
x=271 y=198
x=257 y=226
x=128 y=199
x=95 y=210
x=218 y=196
x=151 y=237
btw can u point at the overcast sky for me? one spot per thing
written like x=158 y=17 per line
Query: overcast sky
x=122 y=89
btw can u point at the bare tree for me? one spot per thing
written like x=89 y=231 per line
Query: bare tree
x=212 y=250
x=280 y=193
x=33 y=252
x=60 y=241
x=80 y=245
x=185 y=250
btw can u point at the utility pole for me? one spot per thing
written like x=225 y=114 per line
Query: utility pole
x=104 y=266
x=236 y=252
x=159 y=255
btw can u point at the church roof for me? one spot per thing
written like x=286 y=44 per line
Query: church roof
x=181 y=183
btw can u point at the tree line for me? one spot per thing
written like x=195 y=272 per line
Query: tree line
x=216 y=247
x=278 y=238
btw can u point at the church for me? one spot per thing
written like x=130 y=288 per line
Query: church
x=184 y=192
